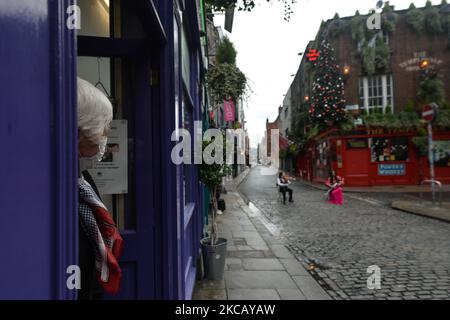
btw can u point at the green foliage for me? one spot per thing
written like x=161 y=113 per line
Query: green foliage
x=415 y=18
x=388 y=110
x=299 y=122
x=358 y=28
x=382 y=54
x=402 y=121
x=224 y=81
x=226 y=53
x=443 y=118
x=248 y=5
x=368 y=57
x=421 y=144
x=388 y=18
x=348 y=124
x=409 y=107
x=431 y=90
x=314 y=131
x=445 y=105
x=212 y=175
x=409 y=120
x=336 y=26
x=433 y=23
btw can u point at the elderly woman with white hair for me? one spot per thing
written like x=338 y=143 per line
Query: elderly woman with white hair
x=100 y=243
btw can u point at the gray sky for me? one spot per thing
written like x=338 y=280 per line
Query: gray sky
x=268 y=48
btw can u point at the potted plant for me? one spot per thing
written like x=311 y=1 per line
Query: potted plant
x=214 y=248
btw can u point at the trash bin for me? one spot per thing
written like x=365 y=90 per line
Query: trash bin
x=214 y=258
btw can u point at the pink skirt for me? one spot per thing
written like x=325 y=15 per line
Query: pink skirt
x=337 y=197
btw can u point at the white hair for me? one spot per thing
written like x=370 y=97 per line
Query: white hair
x=95 y=111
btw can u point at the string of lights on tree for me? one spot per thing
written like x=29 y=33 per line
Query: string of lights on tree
x=328 y=100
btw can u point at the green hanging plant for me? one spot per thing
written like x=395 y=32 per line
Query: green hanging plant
x=421 y=144
x=226 y=52
x=368 y=55
x=226 y=81
x=433 y=23
x=443 y=118
x=388 y=18
x=358 y=28
x=415 y=18
x=431 y=90
x=382 y=54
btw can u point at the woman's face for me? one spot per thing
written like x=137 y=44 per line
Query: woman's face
x=88 y=148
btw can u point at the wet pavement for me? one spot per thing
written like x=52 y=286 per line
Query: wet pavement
x=338 y=244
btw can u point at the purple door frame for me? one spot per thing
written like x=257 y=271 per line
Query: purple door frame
x=38 y=200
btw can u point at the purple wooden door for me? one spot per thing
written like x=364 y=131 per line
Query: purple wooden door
x=38 y=218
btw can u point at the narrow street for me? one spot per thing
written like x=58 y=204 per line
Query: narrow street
x=413 y=252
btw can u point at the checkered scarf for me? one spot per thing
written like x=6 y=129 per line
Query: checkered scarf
x=103 y=235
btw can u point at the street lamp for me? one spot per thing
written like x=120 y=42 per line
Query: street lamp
x=424 y=64
x=346 y=70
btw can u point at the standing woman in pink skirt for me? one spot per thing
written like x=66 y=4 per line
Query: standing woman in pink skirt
x=335 y=193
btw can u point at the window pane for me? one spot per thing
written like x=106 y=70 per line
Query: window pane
x=379 y=150
x=399 y=149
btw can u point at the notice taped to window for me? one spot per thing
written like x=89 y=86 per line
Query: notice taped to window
x=111 y=174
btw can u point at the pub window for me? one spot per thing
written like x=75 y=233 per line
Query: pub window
x=442 y=153
x=386 y=150
x=376 y=91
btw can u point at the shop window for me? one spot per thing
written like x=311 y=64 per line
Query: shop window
x=376 y=91
x=386 y=150
x=442 y=153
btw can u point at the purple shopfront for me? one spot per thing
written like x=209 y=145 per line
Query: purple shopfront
x=146 y=55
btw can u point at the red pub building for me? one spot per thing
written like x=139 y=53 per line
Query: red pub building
x=371 y=155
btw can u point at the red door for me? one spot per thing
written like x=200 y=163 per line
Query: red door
x=356 y=163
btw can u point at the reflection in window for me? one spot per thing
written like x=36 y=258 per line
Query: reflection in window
x=94 y=18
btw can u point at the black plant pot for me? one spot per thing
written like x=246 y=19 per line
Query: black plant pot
x=214 y=258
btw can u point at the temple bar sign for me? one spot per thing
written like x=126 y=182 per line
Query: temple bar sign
x=111 y=174
x=391 y=169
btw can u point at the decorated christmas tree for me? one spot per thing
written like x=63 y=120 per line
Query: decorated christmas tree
x=328 y=100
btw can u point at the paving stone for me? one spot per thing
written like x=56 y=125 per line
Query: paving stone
x=291 y=294
x=259 y=280
x=253 y=294
x=310 y=288
x=262 y=264
x=281 y=252
x=293 y=267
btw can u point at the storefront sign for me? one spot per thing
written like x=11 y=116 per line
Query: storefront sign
x=413 y=64
x=391 y=169
x=111 y=174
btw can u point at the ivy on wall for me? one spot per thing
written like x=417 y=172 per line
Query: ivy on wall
x=429 y=19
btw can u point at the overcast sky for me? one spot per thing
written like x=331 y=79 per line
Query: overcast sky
x=268 y=48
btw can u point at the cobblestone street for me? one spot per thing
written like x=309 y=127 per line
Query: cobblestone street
x=340 y=243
